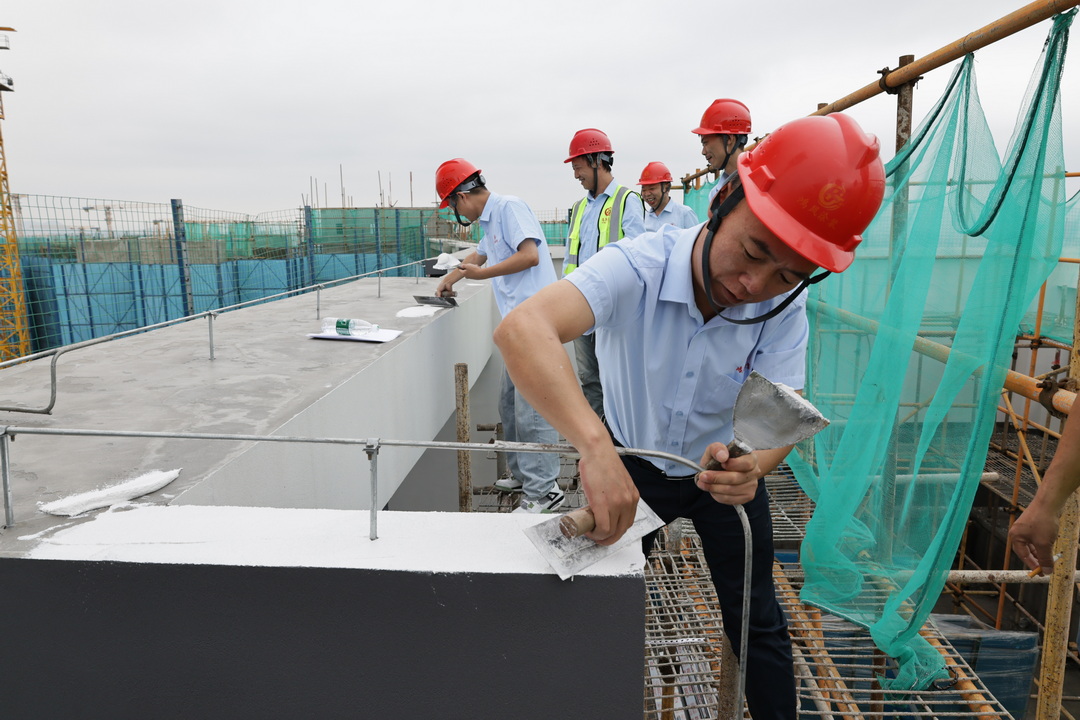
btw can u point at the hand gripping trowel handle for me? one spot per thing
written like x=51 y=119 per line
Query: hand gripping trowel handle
x=581 y=521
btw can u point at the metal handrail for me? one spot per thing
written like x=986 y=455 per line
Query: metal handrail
x=371 y=446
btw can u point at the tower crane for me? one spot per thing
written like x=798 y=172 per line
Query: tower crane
x=108 y=210
x=14 y=326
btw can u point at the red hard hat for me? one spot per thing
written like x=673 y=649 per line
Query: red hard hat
x=587 y=142
x=451 y=174
x=816 y=183
x=725 y=117
x=654 y=172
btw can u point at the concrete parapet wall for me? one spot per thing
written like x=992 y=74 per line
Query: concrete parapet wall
x=406 y=393
x=445 y=616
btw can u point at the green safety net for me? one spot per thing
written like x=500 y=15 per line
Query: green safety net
x=698 y=198
x=909 y=351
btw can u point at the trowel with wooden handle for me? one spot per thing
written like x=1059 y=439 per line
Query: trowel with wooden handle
x=767 y=415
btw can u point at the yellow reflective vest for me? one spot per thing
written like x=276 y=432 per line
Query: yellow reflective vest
x=609 y=228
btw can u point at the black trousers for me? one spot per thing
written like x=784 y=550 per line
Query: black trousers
x=770 y=674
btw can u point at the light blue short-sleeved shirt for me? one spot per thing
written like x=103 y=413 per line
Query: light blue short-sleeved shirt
x=674 y=213
x=507 y=222
x=670 y=379
x=633 y=220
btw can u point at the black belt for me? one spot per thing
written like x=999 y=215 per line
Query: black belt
x=645 y=464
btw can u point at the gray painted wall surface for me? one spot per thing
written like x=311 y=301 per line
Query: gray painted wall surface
x=133 y=640
x=406 y=393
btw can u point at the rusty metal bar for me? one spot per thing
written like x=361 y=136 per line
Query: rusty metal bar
x=904 y=106
x=464 y=421
x=1059 y=597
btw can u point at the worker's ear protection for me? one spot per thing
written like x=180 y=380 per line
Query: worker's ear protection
x=720 y=209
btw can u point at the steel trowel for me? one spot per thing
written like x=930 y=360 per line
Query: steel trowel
x=767 y=415
x=436 y=300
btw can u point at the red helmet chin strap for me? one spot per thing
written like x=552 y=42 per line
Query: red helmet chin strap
x=720 y=210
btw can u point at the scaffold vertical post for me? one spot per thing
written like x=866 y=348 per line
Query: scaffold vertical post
x=180 y=234
x=5 y=472
x=210 y=329
x=309 y=243
x=372 y=450
x=1059 y=598
x=464 y=421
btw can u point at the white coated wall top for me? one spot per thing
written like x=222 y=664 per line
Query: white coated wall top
x=273 y=537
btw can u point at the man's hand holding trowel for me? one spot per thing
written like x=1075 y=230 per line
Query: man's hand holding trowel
x=732 y=480
x=610 y=492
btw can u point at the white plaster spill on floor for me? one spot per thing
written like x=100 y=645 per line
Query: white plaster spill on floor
x=110 y=495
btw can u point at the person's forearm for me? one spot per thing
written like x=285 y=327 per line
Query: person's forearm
x=531 y=340
x=523 y=259
x=768 y=460
x=1062 y=478
x=542 y=372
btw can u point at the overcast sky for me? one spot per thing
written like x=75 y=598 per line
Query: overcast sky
x=237 y=105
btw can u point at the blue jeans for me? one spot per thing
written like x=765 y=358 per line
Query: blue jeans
x=588 y=370
x=521 y=423
x=770 y=673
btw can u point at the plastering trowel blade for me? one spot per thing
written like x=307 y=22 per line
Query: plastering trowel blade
x=770 y=415
x=435 y=300
x=570 y=555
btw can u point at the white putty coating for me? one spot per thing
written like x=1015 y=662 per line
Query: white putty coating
x=806 y=404
x=106 y=496
x=276 y=537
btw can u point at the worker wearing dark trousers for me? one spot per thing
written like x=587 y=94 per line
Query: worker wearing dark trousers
x=721 y=533
x=681 y=318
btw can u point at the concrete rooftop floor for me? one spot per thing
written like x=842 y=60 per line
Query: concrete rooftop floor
x=266 y=377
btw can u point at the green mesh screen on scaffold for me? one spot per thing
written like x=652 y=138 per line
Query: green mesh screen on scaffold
x=1058 y=315
x=908 y=353
x=698 y=199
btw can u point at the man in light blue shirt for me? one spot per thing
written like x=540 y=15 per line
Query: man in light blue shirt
x=682 y=317
x=514 y=256
x=655 y=182
x=607 y=213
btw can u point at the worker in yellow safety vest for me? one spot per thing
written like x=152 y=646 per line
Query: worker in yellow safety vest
x=607 y=213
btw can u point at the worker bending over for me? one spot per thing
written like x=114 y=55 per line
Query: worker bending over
x=681 y=318
x=520 y=266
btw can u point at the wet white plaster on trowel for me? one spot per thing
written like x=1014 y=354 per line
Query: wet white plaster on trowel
x=807 y=406
x=274 y=537
x=104 y=497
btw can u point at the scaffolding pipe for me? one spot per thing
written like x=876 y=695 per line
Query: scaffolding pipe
x=1021 y=19
x=968 y=690
x=1061 y=400
x=905 y=74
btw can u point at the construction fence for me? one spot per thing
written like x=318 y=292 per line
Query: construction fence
x=97 y=267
